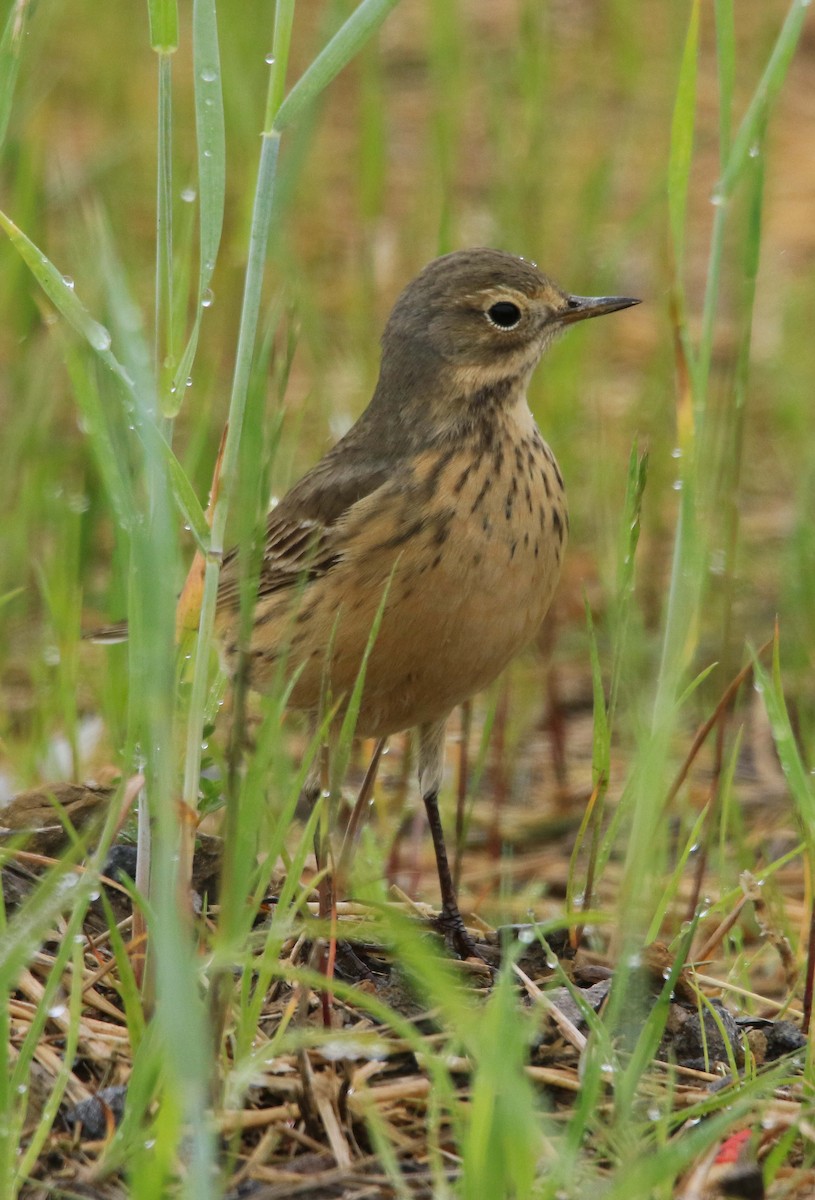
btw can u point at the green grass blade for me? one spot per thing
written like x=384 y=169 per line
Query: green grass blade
x=601 y=741
x=281 y=43
x=58 y=289
x=768 y=88
x=211 y=138
x=164 y=335
x=682 y=127
x=342 y=750
x=64 y=297
x=11 y=45
x=346 y=42
x=795 y=770
x=163 y=16
x=726 y=65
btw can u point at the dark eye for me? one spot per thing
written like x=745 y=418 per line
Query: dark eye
x=504 y=314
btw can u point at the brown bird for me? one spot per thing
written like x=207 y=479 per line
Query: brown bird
x=444 y=494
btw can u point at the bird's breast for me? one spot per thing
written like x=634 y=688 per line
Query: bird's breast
x=473 y=546
x=458 y=558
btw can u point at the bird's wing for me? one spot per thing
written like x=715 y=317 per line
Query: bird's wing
x=303 y=537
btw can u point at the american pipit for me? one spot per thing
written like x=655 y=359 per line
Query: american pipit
x=443 y=492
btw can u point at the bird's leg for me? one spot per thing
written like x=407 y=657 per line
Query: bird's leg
x=431 y=753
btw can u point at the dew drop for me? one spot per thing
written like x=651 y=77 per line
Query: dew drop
x=270 y=59
x=100 y=338
x=69 y=283
x=189 y=195
x=207 y=299
x=57 y=1010
x=209 y=75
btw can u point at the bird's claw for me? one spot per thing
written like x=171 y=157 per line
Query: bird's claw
x=450 y=925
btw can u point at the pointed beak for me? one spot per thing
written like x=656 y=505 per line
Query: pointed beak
x=580 y=308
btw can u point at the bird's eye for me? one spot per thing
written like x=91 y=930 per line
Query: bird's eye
x=504 y=314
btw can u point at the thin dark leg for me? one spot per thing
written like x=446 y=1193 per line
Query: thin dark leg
x=451 y=923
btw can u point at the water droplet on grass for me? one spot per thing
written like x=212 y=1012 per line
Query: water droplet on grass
x=100 y=338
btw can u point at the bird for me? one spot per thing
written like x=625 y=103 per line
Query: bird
x=441 y=513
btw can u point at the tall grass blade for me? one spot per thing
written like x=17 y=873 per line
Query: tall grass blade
x=11 y=47
x=682 y=129
x=64 y=297
x=211 y=140
x=346 y=42
x=163 y=16
x=764 y=96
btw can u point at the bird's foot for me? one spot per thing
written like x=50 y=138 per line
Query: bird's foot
x=450 y=925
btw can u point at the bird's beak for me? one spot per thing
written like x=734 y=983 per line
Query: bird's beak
x=580 y=308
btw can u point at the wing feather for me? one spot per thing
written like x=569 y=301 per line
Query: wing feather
x=303 y=538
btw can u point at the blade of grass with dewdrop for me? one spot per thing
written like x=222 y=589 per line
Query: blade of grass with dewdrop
x=738 y=154
x=64 y=297
x=343 y=46
x=163 y=20
x=671 y=889
x=766 y=91
x=211 y=149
